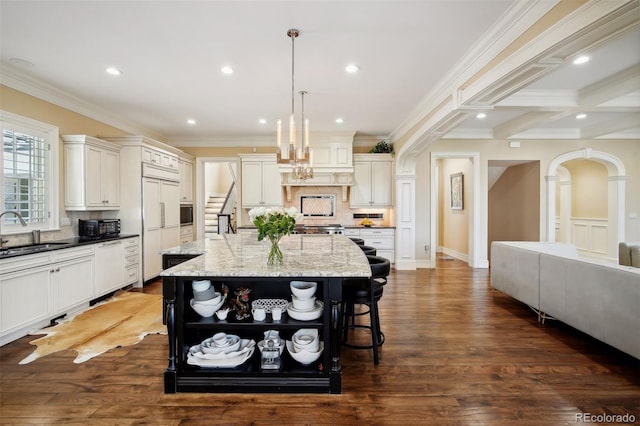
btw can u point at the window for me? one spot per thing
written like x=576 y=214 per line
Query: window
x=29 y=173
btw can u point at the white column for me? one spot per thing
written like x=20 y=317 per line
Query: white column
x=405 y=222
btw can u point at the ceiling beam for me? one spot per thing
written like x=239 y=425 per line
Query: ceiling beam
x=617 y=124
x=526 y=121
x=612 y=87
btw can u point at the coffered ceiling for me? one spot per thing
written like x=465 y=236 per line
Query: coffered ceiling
x=171 y=54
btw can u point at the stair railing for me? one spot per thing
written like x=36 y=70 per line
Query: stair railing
x=227 y=208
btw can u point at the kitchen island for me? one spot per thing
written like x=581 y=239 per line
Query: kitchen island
x=237 y=261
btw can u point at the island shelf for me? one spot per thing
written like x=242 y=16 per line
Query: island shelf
x=239 y=261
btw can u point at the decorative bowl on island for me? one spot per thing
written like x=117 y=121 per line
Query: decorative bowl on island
x=303 y=289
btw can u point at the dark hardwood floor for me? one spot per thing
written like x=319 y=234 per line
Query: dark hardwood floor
x=456 y=352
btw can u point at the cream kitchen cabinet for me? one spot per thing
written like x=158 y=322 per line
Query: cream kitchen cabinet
x=186 y=234
x=261 y=182
x=160 y=158
x=37 y=288
x=382 y=239
x=92 y=173
x=372 y=181
x=186 y=180
x=131 y=255
x=109 y=267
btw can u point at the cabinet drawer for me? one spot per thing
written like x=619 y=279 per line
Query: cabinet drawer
x=130 y=250
x=19 y=263
x=369 y=232
x=72 y=253
x=352 y=232
x=129 y=242
x=131 y=274
x=379 y=242
x=131 y=260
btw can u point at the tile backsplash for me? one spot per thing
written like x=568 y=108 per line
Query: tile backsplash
x=343 y=214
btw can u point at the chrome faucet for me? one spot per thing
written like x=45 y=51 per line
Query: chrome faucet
x=3 y=241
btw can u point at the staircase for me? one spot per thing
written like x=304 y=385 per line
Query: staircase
x=211 y=211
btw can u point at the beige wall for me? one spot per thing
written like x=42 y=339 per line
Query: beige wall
x=514 y=205
x=453 y=225
x=628 y=151
x=217 y=178
x=68 y=122
x=589 y=186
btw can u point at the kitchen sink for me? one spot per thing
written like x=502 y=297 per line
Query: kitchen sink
x=29 y=248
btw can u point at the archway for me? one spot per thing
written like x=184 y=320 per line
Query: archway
x=616 y=193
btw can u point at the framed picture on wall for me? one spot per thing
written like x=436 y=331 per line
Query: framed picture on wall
x=457 y=191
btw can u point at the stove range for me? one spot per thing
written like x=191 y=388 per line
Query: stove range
x=334 y=228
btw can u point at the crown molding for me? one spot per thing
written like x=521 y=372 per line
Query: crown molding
x=15 y=78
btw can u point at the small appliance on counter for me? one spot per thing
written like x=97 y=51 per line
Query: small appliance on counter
x=98 y=228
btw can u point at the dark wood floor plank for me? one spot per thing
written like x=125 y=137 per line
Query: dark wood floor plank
x=456 y=352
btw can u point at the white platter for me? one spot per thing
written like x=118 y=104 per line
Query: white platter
x=311 y=314
x=196 y=357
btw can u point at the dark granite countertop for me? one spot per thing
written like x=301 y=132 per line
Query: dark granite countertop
x=10 y=252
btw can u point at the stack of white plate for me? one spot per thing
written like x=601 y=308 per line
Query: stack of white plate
x=221 y=351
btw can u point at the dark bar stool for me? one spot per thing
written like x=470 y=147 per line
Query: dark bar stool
x=358 y=241
x=365 y=292
x=368 y=250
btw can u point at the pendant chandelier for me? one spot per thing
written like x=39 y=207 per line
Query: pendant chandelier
x=298 y=157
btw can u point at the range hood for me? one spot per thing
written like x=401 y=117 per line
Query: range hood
x=332 y=161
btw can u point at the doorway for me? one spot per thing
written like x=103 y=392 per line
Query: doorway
x=474 y=202
x=216 y=195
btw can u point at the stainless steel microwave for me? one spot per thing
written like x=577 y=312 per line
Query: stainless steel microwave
x=186 y=214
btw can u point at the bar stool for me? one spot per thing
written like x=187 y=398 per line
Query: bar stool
x=365 y=292
x=368 y=250
x=358 y=241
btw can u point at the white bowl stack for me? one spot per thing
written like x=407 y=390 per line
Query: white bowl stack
x=304 y=306
x=305 y=346
x=206 y=300
x=220 y=351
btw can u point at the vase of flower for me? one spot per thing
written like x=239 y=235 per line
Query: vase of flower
x=275 y=254
x=274 y=224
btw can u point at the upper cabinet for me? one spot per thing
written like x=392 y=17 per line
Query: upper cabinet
x=92 y=173
x=261 y=183
x=372 y=181
x=185 y=166
x=159 y=158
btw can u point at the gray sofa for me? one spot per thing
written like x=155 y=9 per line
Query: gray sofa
x=629 y=254
x=598 y=298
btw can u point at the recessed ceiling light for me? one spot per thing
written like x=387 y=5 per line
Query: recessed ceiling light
x=113 y=71
x=352 y=68
x=262 y=121
x=481 y=115
x=581 y=60
x=191 y=121
x=581 y=116
x=226 y=70
x=339 y=120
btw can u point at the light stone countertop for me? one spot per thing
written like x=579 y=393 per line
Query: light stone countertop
x=242 y=255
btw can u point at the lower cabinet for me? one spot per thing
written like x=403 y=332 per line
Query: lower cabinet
x=186 y=234
x=109 y=267
x=25 y=299
x=40 y=287
x=131 y=255
x=73 y=277
x=186 y=329
x=383 y=239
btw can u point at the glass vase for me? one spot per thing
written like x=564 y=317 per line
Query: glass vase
x=275 y=254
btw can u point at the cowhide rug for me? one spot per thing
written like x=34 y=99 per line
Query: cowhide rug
x=122 y=320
